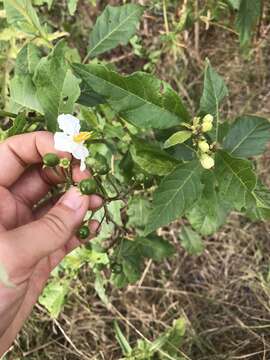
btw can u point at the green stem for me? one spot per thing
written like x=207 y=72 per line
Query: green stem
x=7 y=114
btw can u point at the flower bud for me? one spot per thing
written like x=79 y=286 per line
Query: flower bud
x=207 y=161
x=203 y=146
x=51 y=160
x=207 y=124
x=64 y=163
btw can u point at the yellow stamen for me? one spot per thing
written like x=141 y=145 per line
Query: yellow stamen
x=82 y=136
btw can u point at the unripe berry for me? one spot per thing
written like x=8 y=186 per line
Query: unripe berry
x=83 y=232
x=207 y=161
x=51 y=160
x=88 y=187
x=203 y=146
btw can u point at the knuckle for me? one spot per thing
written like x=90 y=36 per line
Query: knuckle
x=56 y=225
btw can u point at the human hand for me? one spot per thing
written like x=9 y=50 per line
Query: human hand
x=33 y=240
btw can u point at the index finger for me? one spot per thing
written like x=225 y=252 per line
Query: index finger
x=20 y=151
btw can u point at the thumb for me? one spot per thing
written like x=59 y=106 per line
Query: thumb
x=40 y=238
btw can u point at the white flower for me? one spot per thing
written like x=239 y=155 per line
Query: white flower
x=71 y=139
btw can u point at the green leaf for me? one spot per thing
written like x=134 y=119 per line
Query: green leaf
x=214 y=91
x=234 y=3
x=22 y=15
x=236 y=180
x=262 y=195
x=155 y=247
x=72 y=6
x=130 y=255
x=171 y=340
x=115 y=26
x=151 y=158
x=191 y=241
x=248 y=15
x=122 y=341
x=178 y=138
x=248 y=136
x=210 y=212
x=138 y=210
x=22 y=89
x=153 y=105
x=53 y=296
x=176 y=193
x=18 y=125
x=57 y=88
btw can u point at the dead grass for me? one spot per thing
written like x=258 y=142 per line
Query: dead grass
x=225 y=293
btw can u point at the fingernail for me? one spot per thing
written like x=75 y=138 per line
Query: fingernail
x=72 y=199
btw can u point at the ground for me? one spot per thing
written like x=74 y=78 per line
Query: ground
x=224 y=294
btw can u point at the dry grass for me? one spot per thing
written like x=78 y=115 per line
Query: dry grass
x=225 y=293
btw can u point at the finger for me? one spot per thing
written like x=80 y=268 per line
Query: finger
x=18 y=152
x=36 y=182
x=41 y=238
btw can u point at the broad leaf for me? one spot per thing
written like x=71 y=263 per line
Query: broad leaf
x=214 y=91
x=234 y=3
x=236 y=180
x=22 y=15
x=130 y=255
x=210 y=212
x=176 y=193
x=153 y=105
x=22 y=89
x=138 y=210
x=262 y=195
x=178 y=138
x=18 y=126
x=72 y=6
x=53 y=296
x=191 y=241
x=151 y=158
x=57 y=87
x=115 y=26
x=156 y=248
x=248 y=136
x=248 y=15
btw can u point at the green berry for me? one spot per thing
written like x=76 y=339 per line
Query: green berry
x=51 y=160
x=116 y=268
x=83 y=232
x=88 y=187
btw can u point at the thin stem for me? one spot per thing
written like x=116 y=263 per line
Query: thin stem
x=165 y=16
x=7 y=114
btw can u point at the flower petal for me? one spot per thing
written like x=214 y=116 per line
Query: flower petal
x=83 y=165
x=63 y=142
x=69 y=124
x=80 y=152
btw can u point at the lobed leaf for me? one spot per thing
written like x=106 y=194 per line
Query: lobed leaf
x=210 y=212
x=248 y=136
x=151 y=158
x=236 y=180
x=153 y=105
x=214 y=91
x=116 y=25
x=22 y=15
x=57 y=88
x=176 y=193
x=191 y=241
x=22 y=89
x=248 y=15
